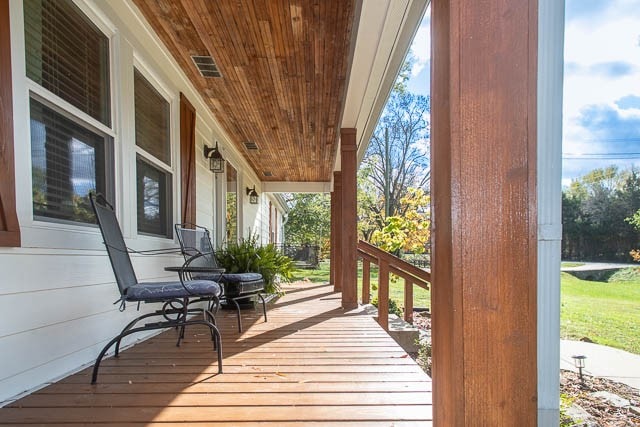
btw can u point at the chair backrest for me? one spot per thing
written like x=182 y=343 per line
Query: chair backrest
x=114 y=242
x=196 y=240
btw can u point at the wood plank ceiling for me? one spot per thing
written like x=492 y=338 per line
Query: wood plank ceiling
x=284 y=69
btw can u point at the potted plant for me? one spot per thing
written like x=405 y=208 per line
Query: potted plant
x=248 y=255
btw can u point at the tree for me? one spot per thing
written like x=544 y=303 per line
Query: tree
x=595 y=212
x=309 y=219
x=370 y=207
x=409 y=232
x=398 y=154
x=405 y=72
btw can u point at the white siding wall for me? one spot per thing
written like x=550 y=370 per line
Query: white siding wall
x=256 y=217
x=57 y=290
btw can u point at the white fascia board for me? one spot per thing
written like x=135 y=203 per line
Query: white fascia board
x=296 y=187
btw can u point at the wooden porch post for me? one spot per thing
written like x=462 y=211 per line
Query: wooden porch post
x=484 y=212
x=348 y=219
x=336 y=195
x=9 y=227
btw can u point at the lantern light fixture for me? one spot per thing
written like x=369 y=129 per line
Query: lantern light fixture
x=216 y=161
x=253 y=195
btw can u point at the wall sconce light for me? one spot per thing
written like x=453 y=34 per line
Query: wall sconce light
x=216 y=162
x=253 y=195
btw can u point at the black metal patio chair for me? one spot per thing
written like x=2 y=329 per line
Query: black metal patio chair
x=196 y=245
x=175 y=296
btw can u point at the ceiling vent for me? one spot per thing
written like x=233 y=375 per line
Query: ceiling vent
x=206 y=65
x=267 y=173
x=250 y=145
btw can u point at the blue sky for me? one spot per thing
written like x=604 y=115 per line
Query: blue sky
x=601 y=112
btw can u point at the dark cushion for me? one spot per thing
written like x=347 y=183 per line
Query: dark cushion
x=229 y=277
x=236 y=289
x=168 y=290
x=237 y=284
x=240 y=277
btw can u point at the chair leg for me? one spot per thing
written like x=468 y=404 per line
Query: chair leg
x=185 y=313
x=212 y=327
x=239 y=314
x=130 y=325
x=209 y=317
x=264 y=307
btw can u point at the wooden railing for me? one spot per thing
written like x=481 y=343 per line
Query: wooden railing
x=389 y=264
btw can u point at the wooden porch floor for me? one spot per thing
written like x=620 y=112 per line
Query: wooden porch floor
x=310 y=364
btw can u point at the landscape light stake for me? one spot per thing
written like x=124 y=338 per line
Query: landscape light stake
x=578 y=361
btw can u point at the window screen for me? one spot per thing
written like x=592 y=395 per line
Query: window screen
x=68 y=161
x=67 y=55
x=154 y=199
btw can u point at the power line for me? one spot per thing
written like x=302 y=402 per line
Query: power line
x=600 y=156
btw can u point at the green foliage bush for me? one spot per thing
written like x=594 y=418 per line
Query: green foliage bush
x=424 y=355
x=394 y=308
x=248 y=256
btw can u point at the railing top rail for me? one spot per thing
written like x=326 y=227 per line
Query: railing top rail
x=399 y=264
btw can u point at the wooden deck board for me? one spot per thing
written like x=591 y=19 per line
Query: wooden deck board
x=311 y=364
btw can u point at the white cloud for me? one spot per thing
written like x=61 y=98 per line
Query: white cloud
x=602 y=57
x=421 y=47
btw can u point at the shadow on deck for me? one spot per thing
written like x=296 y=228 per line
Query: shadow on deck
x=311 y=364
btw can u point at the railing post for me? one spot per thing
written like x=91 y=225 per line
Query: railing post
x=383 y=294
x=366 y=281
x=408 y=301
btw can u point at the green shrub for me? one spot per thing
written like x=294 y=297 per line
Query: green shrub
x=424 y=355
x=394 y=308
x=248 y=256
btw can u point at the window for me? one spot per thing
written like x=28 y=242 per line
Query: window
x=68 y=161
x=67 y=55
x=153 y=163
x=68 y=58
x=154 y=216
x=232 y=204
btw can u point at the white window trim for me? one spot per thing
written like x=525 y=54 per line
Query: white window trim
x=47 y=233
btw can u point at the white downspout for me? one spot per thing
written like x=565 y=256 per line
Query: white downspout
x=550 y=87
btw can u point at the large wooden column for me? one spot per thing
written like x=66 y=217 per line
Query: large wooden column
x=335 y=274
x=348 y=219
x=484 y=212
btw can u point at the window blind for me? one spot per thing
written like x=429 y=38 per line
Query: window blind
x=152 y=119
x=67 y=55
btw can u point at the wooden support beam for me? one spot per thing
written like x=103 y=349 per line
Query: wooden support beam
x=366 y=281
x=336 y=248
x=483 y=191
x=383 y=295
x=408 y=301
x=348 y=219
x=9 y=227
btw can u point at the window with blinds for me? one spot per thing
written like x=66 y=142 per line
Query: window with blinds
x=66 y=54
x=153 y=165
x=152 y=120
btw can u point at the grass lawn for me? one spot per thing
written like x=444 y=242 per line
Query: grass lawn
x=571 y=264
x=421 y=297
x=608 y=313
